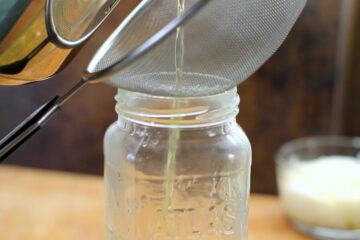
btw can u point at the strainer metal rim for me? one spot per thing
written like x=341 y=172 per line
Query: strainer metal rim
x=141 y=50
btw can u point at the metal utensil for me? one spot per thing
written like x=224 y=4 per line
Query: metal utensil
x=42 y=115
x=38 y=33
x=224 y=44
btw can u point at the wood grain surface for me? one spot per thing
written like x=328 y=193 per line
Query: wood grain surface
x=41 y=204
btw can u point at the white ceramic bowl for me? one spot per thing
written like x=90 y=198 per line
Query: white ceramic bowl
x=318 y=180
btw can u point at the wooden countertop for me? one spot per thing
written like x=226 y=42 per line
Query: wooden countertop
x=40 y=204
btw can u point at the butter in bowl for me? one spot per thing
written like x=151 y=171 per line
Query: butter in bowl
x=318 y=180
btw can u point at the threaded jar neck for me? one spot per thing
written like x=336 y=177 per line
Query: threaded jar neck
x=177 y=112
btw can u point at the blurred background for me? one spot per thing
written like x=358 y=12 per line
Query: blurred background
x=309 y=87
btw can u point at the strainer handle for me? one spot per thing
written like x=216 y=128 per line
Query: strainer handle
x=34 y=122
x=28 y=128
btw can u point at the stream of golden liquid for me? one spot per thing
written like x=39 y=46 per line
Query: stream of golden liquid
x=174 y=133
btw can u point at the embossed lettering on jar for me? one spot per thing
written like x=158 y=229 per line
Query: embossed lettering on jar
x=202 y=194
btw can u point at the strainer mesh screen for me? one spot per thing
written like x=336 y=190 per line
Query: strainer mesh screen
x=224 y=43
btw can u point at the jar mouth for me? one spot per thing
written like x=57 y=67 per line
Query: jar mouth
x=177 y=112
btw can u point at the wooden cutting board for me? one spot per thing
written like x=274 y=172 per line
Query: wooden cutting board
x=48 y=205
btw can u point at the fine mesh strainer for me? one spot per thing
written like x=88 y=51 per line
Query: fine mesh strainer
x=224 y=44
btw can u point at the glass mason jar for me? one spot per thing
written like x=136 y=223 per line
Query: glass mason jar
x=176 y=168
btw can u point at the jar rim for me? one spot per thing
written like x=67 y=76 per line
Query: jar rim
x=181 y=112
